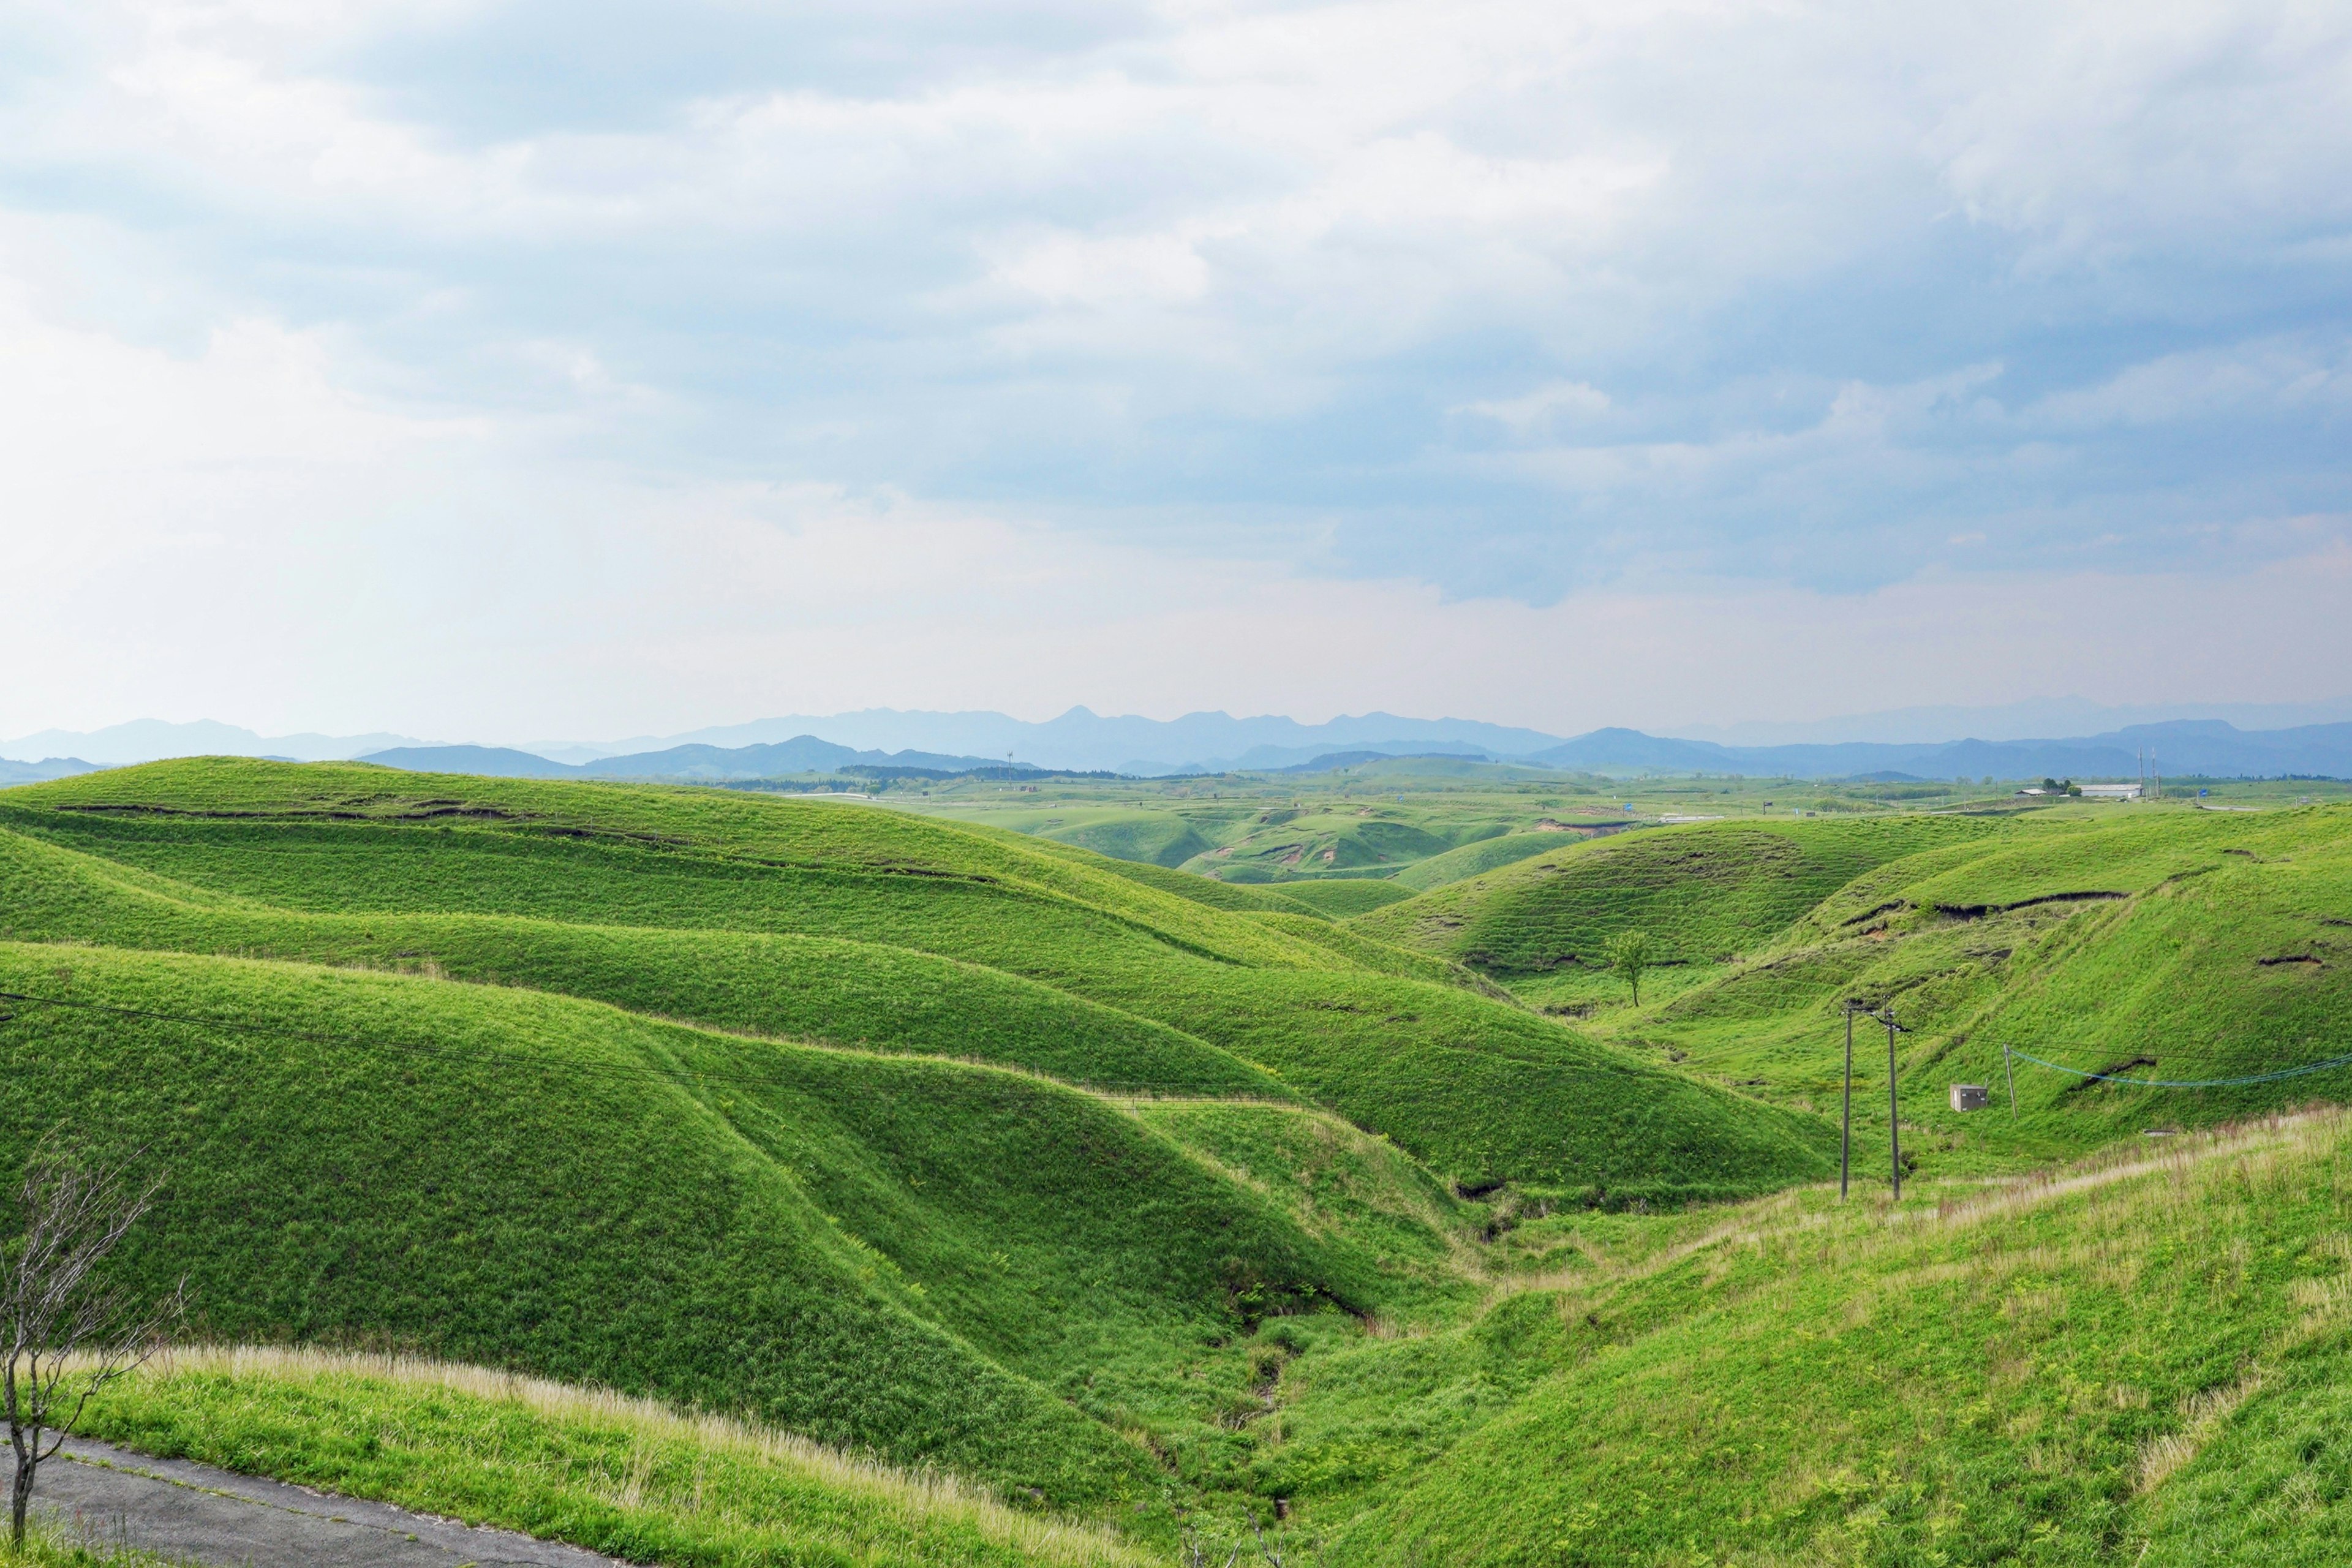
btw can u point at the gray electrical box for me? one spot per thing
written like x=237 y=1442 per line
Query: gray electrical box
x=1968 y=1097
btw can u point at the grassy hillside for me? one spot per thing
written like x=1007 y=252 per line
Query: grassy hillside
x=2136 y=1360
x=1154 y=838
x=859 y=993
x=622 y=1477
x=1705 y=892
x=558 y=884
x=1101 y=1179
x=2181 y=946
x=892 y=1252
x=1472 y=860
x=2141 y=1362
x=1341 y=897
x=2163 y=942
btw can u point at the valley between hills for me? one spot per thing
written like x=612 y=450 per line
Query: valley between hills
x=1146 y=1176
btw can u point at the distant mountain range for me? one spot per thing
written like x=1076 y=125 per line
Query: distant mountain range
x=1085 y=740
x=2189 y=746
x=144 y=740
x=47 y=768
x=1217 y=743
x=2186 y=746
x=689 y=764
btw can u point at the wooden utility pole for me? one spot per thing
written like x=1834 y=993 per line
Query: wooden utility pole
x=1894 y=1105
x=1845 y=1135
x=2009 y=1066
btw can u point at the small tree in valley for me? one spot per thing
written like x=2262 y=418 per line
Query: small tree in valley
x=1630 y=956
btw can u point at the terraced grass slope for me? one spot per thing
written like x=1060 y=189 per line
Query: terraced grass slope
x=964 y=1150
x=891 y=1252
x=1281 y=843
x=2156 y=942
x=2176 y=945
x=561 y=886
x=982 y=1151
x=1704 y=892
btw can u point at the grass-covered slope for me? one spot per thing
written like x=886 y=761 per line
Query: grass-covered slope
x=898 y=1253
x=721 y=907
x=1472 y=860
x=1341 y=897
x=1703 y=892
x=2164 y=942
x=1153 y=838
x=2137 y=1364
x=623 y=1477
x=2179 y=946
x=844 y=992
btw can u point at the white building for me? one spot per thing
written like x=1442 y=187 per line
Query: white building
x=2111 y=791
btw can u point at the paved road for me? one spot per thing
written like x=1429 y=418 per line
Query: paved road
x=195 y=1513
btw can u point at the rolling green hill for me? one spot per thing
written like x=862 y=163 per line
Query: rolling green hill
x=1471 y=859
x=2141 y=1362
x=1340 y=897
x=2167 y=942
x=1097 y=1178
x=1706 y=891
x=2178 y=945
x=960 y=1148
x=875 y=1250
x=555 y=882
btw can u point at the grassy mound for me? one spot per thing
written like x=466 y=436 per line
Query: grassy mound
x=1471 y=860
x=1154 y=838
x=891 y=1252
x=2179 y=946
x=771 y=916
x=1704 y=892
x=1340 y=897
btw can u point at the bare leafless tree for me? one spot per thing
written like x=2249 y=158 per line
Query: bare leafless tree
x=67 y=1334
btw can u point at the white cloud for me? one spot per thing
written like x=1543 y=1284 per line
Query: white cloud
x=323 y=396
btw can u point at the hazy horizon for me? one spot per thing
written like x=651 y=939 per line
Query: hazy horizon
x=892 y=729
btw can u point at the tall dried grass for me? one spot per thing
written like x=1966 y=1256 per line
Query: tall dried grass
x=905 y=1492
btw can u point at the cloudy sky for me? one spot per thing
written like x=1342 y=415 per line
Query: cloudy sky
x=489 y=371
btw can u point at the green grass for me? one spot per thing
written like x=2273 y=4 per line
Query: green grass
x=966 y=1150
x=954 y=1148
x=1705 y=892
x=53 y=1543
x=623 y=1477
x=1157 y=838
x=1978 y=946
x=922 y=1257
x=1341 y=897
x=1471 y=860
x=2139 y=1364
x=559 y=887
x=851 y=992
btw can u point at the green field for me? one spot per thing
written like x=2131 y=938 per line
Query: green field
x=2165 y=942
x=1135 y=1195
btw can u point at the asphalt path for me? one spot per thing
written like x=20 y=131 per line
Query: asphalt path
x=195 y=1513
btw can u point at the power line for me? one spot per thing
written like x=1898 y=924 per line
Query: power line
x=2302 y=1071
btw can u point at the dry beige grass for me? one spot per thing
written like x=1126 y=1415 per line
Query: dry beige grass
x=909 y=1494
